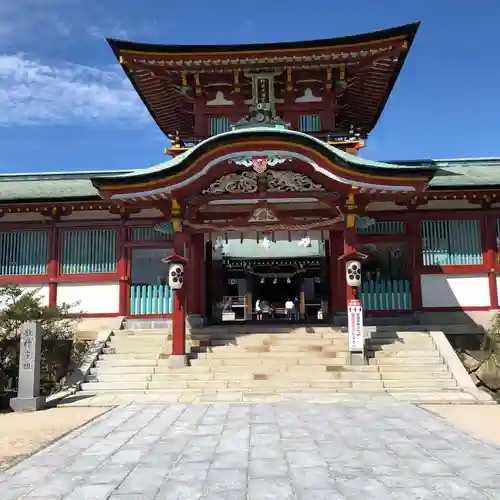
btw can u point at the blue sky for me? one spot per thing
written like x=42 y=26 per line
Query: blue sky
x=65 y=105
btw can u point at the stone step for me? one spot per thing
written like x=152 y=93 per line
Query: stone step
x=143 y=331
x=309 y=348
x=114 y=386
x=125 y=362
x=124 y=334
x=270 y=362
x=264 y=384
x=392 y=331
x=243 y=354
x=111 y=351
x=430 y=374
x=415 y=368
x=421 y=360
x=138 y=344
x=354 y=384
x=411 y=396
x=312 y=377
x=414 y=354
x=212 y=385
x=292 y=338
x=135 y=350
x=119 y=377
x=153 y=337
x=270 y=376
x=266 y=330
x=105 y=356
x=421 y=384
x=406 y=344
x=235 y=370
x=285 y=345
x=122 y=370
x=406 y=339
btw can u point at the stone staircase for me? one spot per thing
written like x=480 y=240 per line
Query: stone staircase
x=282 y=361
x=129 y=360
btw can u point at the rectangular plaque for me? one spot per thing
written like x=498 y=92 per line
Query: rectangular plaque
x=355 y=325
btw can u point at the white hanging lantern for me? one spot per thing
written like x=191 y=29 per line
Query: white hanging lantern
x=266 y=243
x=305 y=242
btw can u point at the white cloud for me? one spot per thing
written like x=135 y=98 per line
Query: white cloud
x=35 y=93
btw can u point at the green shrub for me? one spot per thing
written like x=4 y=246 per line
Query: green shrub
x=17 y=306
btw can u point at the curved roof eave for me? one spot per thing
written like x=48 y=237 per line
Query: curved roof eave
x=338 y=154
x=408 y=30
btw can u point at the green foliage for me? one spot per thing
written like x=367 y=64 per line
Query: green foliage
x=17 y=306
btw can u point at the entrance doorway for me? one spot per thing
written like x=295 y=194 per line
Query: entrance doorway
x=149 y=291
x=273 y=271
x=275 y=292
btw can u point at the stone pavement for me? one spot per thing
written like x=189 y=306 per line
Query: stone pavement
x=293 y=451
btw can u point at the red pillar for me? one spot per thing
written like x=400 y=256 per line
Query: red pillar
x=199 y=276
x=179 y=324
x=414 y=252
x=190 y=272
x=328 y=263
x=53 y=264
x=336 y=273
x=195 y=285
x=179 y=312
x=349 y=247
x=123 y=271
x=489 y=240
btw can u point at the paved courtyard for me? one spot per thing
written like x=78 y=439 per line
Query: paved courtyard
x=351 y=450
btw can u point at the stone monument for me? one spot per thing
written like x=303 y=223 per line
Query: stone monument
x=28 y=394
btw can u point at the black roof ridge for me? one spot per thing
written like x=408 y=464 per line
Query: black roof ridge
x=409 y=30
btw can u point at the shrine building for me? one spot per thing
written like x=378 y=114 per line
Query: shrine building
x=263 y=190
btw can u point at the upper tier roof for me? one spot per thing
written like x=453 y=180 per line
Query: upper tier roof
x=372 y=62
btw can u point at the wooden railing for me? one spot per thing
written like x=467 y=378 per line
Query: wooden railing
x=151 y=299
x=386 y=295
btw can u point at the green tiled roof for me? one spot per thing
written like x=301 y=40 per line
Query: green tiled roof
x=462 y=172
x=75 y=186
x=49 y=186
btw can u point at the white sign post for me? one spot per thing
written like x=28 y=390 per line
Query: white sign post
x=355 y=326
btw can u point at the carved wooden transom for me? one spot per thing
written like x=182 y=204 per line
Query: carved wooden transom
x=278 y=181
x=263 y=215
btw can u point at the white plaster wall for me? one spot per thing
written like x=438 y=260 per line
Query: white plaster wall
x=43 y=293
x=93 y=298
x=455 y=290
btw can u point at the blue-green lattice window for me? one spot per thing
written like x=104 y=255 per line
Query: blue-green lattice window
x=309 y=123
x=23 y=252
x=218 y=125
x=149 y=234
x=382 y=227
x=451 y=242
x=88 y=251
